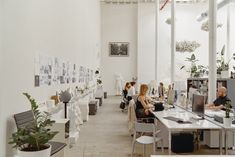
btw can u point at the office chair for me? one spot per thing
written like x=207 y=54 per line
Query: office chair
x=144 y=128
x=124 y=100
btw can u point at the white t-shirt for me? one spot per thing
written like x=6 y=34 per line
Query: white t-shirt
x=131 y=91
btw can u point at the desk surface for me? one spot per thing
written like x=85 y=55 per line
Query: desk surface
x=186 y=116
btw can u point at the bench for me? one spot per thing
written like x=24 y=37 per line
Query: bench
x=24 y=118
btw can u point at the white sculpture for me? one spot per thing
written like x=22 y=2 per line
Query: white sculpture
x=118 y=84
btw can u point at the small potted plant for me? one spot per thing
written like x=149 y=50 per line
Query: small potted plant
x=32 y=140
x=227 y=119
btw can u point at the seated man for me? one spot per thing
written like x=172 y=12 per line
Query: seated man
x=220 y=101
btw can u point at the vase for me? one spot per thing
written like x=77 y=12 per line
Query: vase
x=42 y=153
x=225 y=74
x=227 y=121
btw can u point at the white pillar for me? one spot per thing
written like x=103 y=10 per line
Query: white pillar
x=156 y=39
x=228 y=31
x=212 y=50
x=172 y=40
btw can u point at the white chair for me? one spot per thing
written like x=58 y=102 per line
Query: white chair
x=143 y=128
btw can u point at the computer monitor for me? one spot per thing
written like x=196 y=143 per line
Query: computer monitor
x=190 y=95
x=198 y=104
x=171 y=97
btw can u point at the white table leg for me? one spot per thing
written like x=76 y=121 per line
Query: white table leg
x=220 y=142
x=169 y=143
x=226 y=142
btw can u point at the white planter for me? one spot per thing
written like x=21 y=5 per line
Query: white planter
x=225 y=74
x=227 y=121
x=41 y=153
x=218 y=75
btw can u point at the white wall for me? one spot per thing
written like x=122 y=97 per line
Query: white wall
x=1 y=108
x=146 y=42
x=118 y=25
x=68 y=29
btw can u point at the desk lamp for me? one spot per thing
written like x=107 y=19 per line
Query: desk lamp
x=65 y=97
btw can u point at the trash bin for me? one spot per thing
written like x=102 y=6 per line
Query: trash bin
x=105 y=95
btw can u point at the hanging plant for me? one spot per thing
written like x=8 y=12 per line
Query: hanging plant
x=187 y=46
x=205 y=26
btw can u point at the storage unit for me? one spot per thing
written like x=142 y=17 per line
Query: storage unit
x=202 y=86
x=93 y=107
x=62 y=126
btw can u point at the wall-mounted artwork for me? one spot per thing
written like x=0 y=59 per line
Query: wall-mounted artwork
x=119 y=49
x=55 y=71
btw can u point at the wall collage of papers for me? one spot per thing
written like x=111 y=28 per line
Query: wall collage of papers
x=55 y=71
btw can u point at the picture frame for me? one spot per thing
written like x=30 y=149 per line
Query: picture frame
x=118 y=49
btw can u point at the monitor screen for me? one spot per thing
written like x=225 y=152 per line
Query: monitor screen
x=171 y=97
x=198 y=104
x=190 y=95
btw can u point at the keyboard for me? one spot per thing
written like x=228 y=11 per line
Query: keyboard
x=173 y=118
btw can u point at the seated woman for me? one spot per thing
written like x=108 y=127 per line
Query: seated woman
x=126 y=88
x=143 y=107
x=131 y=91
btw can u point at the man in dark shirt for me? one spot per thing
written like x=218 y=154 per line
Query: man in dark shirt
x=220 y=101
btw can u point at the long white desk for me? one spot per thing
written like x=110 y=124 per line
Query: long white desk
x=226 y=129
x=173 y=126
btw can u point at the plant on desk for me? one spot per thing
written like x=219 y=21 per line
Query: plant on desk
x=227 y=119
x=31 y=140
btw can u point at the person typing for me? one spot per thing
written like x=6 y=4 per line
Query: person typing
x=220 y=101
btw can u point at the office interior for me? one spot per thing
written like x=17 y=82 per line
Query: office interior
x=49 y=47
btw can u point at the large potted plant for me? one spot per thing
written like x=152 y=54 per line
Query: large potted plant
x=195 y=70
x=32 y=140
x=227 y=120
x=222 y=65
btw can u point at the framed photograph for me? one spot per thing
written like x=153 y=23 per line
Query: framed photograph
x=119 y=49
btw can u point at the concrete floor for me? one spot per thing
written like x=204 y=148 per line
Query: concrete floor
x=106 y=135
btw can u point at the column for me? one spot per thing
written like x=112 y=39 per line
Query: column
x=212 y=50
x=228 y=30
x=172 y=40
x=156 y=39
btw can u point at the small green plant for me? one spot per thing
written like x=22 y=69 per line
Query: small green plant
x=227 y=108
x=99 y=81
x=36 y=134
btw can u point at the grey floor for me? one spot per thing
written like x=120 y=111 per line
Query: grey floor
x=106 y=135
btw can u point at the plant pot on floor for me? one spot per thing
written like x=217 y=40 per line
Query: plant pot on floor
x=224 y=74
x=42 y=153
x=227 y=121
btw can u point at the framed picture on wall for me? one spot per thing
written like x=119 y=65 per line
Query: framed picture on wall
x=119 y=49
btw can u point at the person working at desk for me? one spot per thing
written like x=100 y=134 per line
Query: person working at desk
x=131 y=91
x=126 y=88
x=220 y=101
x=143 y=106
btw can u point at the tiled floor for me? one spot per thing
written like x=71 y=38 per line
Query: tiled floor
x=106 y=135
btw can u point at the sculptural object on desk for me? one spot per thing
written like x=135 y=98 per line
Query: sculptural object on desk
x=118 y=84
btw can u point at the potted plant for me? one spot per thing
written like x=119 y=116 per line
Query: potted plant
x=227 y=120
x=195 y=70
x=32 y=140
x=222 y=66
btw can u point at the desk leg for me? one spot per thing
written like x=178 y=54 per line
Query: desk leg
x=226 y=142
x=169 y=143
x=220 y=142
